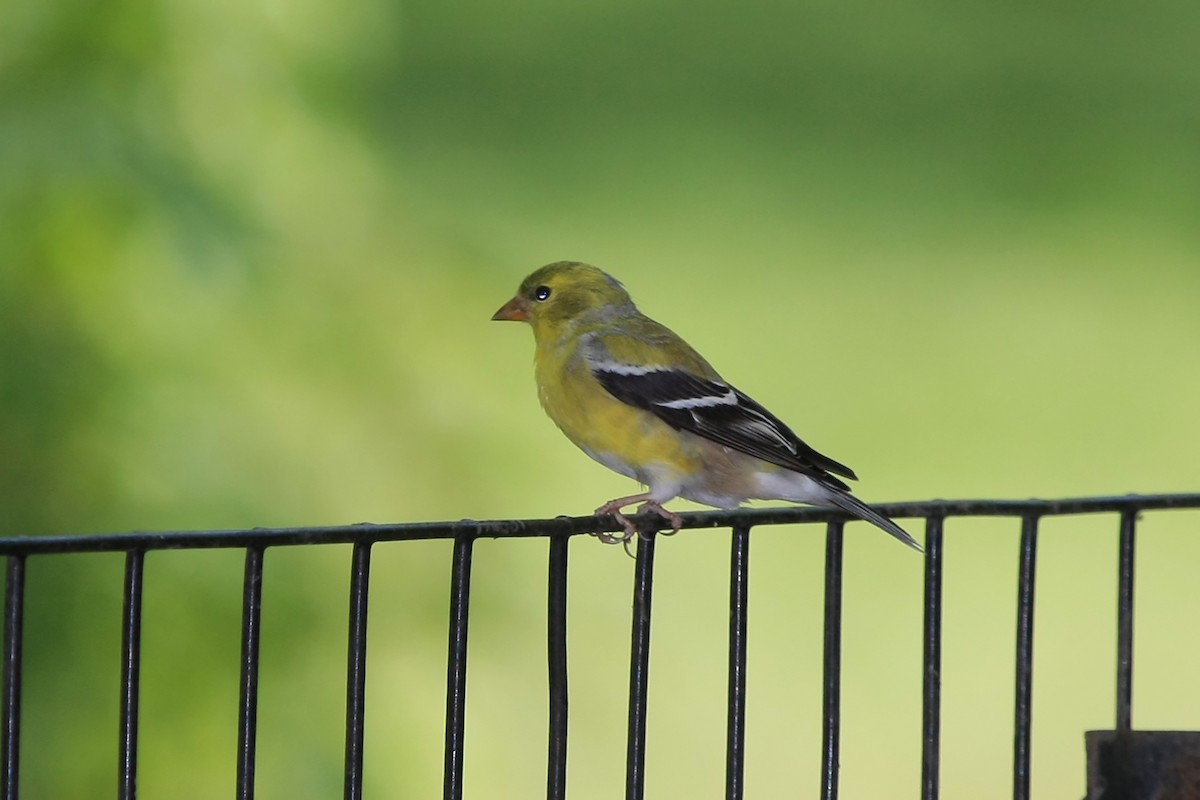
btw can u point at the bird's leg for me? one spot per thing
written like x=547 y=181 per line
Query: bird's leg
x=670 y=516
x=648 y=504
x=613 y=508
x=651 y=505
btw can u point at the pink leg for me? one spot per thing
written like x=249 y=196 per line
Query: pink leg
x=670 y=516
x=614 y=507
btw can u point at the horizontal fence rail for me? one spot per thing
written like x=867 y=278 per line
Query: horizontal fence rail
x=255 y=542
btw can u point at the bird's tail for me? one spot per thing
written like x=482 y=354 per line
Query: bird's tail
x=851 y=504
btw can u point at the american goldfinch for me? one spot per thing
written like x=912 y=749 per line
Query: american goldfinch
x=637 y=398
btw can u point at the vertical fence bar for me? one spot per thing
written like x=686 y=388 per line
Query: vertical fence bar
x=831 y=701
x=131 y=657
x=1125 y=620
x=456 y=666
x=556 y=657
x=735 y=737
x=931 y=703
x=1024 y=691
x=14 y=618
x=356 y=668
x=639 y=669
x=248 y=708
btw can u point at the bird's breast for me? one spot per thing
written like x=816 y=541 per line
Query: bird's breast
x=627 y=439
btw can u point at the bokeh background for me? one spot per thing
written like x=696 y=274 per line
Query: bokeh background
x=248 y=253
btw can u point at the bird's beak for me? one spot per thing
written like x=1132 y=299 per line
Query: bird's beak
x=516 y=310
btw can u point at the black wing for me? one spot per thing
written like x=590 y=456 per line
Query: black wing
x=718 y=412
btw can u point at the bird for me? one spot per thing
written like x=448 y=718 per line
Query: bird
x=637 y=398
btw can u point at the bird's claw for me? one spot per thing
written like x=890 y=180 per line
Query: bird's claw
x=670 y=516
x=613 y=509
x=610 y=509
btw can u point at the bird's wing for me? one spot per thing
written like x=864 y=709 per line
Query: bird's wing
x=711 y=408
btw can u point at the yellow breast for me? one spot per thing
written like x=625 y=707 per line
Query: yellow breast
x=627 y=439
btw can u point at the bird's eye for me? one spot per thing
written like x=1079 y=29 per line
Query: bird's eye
x=541 y=293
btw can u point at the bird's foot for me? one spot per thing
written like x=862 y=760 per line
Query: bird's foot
x=670 y=516
x=613 y=509
x=651 y=506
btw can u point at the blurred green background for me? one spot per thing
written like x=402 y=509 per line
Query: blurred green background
x=248 y=253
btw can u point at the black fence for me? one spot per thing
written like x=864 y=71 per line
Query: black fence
x=1126 y=511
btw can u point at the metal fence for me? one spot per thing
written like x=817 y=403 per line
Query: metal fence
x=1126 y=511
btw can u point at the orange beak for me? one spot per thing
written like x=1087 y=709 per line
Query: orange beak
x=516 y=310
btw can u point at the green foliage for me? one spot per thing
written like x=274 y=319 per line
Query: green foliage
x=248 y=252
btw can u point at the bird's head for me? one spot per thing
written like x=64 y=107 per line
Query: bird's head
x=564 y=293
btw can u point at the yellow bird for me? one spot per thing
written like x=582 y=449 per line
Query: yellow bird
x=637 y=398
